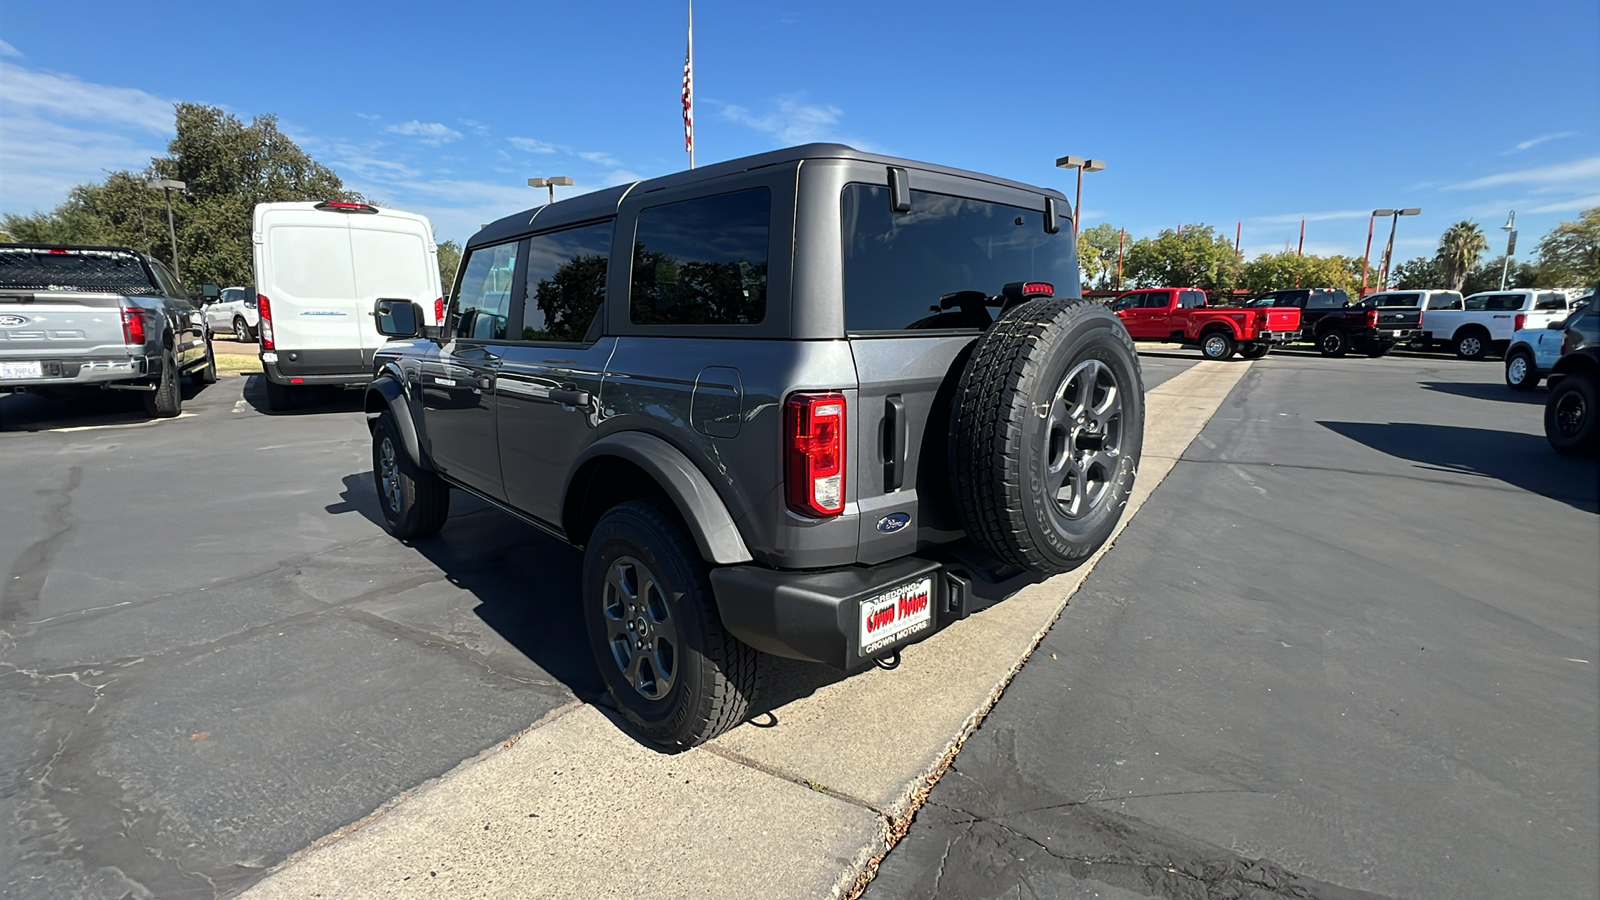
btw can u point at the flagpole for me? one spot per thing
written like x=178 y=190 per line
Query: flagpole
x=691 y=82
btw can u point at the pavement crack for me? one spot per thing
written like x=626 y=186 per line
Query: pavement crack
x=19 y=596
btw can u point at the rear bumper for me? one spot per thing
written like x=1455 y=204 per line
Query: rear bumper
x=1395 y=335
x=279 y=369
x=79 y=372
x=816 y=615
x=1279 y=337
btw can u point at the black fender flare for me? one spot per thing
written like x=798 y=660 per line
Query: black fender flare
x=1586 y=359
x=712 y=527
x=387 y=393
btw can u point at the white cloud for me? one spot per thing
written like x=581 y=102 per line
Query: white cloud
x=63 y=96
x=432 y=133
x=1568 y=174
x=529 y=145
x=1290 y=218
x=1572 y=205
x=600 y=159
x=1534 y=142
x=9 y=51
x=793 y=121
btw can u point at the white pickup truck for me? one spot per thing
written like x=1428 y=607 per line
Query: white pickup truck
x=1485 y=322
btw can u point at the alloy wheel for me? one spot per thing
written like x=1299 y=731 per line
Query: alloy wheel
x=1084 y=431
x=640 y=628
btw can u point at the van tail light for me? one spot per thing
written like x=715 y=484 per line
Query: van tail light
x=438 y=311
x=814 y=468
x=1520 y=320
x=133 y=326
x=264 y=328
x=1372 y=318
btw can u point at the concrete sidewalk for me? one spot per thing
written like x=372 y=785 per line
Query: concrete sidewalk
x=799 y=802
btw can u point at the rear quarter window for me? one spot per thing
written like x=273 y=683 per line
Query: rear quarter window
x=702 y=261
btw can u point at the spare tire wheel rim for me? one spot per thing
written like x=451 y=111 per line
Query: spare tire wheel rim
x=640 y=628
x=1517 y=370
x=388 y=475
x=1570 y=413
x=1083 y=435
x=1215 y=345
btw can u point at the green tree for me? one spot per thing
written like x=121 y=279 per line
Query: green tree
x=1569 y=256
x=1198 y=257
x=229 y=168
x=1487 y=276
x=1419 y=274
x=1287 y=269
x=1460 y=248
x=449 y=262
x=1097 y=255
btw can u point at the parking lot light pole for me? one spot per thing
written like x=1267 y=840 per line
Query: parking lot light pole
x=1082 y=165
x=1388 y=249
x=167 y=186
x=1510 y=228
x=1366 y=255
x=551 y=183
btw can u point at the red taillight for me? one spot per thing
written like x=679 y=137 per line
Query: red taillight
x=133 y=326
x=55 y=252
x=264 y=329
x=345 y=206
x=438 y=311
x=1372 y=318
x=1520 y=320
x=1038 y=289
x=814 y=456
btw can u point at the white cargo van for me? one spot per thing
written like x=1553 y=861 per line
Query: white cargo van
x=319 y=268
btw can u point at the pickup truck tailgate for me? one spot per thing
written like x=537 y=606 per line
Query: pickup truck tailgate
x=1399 y=317
x=61 y=325
x=1282 y=318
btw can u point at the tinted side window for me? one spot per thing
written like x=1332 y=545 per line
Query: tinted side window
x=1445 y=300
x=1191 y=299
x=1155 y=300
x=702 y=262
x=166 y=280
x=901 y=270
x=1325 y=300
x=485 y=297
x=1126 y=301
x=566 y=282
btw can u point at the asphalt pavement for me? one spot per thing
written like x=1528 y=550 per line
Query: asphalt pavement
x=1348 y=649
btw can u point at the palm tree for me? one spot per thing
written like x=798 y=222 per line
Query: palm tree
x=1460 y=248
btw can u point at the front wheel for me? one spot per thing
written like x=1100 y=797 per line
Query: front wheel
x=1218 y=346
x=1333 y=343
x=166 y=401
x=673 y=670
x=1569 y=416
x=1256 y=350
x=241 y=330
x=1521 y=375
x=415 y=502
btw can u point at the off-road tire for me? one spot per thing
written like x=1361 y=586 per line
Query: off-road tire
x=1257 y=350
x=1571 y=419
x=1526 y=374
x=1218 y=345
x=166 y=401
x=207 y=374
x=1333 y=343
x=280 y=397
x=1471 y=343
x=714 y=675
x=419 y=501
x=1001 y=432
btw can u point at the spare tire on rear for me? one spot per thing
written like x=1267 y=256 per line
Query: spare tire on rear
x=1047 y=428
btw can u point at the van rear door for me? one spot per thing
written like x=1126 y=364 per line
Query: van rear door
x=305 y=271
x=394 y=256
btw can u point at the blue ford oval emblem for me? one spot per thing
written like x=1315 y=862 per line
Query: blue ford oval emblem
x=9 y=321
x=893 y=522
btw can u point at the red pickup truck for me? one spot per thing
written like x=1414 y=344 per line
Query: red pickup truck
x=1181 y=314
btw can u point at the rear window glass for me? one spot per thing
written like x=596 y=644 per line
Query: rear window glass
x=1445 y=300
x=1495 y=302
x=1550 y=302
x=703 y=261
x=566 y=282
x=1327 y=300
x=898 y=266
x=110 y=271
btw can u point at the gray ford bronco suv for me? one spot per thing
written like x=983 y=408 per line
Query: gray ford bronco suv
x=806 y=403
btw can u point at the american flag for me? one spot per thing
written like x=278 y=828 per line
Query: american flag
x=688 y=96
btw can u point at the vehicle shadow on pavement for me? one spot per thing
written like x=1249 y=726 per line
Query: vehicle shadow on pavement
x=308 y=401
x=1518 y=459
x=33 y=412
x=1487 y=391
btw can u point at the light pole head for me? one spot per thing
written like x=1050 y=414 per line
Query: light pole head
x=1094 y=165
x=538 y=182
x=1070 y=162
x=1511 y=221
x=170 y=184
x=561 y=181
x=1383 y=212
x=1411 y=211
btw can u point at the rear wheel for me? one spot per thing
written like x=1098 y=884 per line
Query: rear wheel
x=207 y=374
x=1218 y=345
x=166 y=401
x=673 y=670
x=1333 y=343
x=1048 y=425
x=1521 y=375
x=1256 y=350
x=279 y=397
x=1471 y=344
x=241 y=330
x=1569 y=416
x=415 y=502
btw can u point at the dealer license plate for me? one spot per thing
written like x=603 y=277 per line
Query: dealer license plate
x=21 y=370
x=896 y=614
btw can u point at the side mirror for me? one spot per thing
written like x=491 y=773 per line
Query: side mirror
x=397 y=318
x=210 y=291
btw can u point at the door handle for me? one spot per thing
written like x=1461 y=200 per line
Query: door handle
x=569 y=397
x=894 y=425
x=485 y=382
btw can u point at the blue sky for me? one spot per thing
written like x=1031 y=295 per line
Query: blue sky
x=1215 y=113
